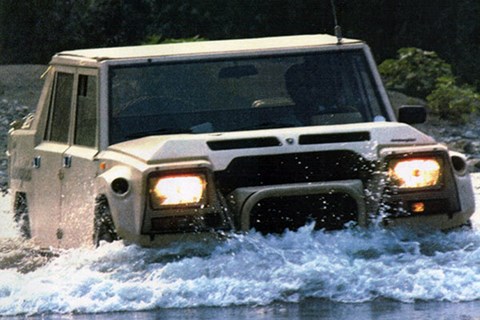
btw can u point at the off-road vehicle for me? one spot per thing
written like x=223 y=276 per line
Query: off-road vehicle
x=158 y=143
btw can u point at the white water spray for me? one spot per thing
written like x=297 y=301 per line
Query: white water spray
x=352 y=265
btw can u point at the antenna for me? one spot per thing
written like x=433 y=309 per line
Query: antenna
x=337 y=30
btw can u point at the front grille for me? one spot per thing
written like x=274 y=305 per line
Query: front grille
x=293 y=168
x=328 y=211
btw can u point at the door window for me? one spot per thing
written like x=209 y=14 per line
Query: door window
x=86 y=115
x=57 y=129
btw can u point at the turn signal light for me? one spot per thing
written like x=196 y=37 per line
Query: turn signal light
x=418 y=207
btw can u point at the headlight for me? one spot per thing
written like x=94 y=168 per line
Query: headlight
x=415 y=172
x=171 y=190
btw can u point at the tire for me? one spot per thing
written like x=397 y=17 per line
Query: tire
x=21 y=215
x=104 y=228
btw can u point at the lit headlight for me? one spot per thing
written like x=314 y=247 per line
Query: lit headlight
x=415 y=172
x=188 y=189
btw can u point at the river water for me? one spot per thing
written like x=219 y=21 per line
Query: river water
x=347 y=274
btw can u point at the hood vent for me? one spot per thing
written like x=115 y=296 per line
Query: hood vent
x=334 y=137
x=243 y=143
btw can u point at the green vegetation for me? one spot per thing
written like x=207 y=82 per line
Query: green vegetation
x=157 y=39
x=452 y=102
x=415 y=72
x=423 y=74
x=32 y=31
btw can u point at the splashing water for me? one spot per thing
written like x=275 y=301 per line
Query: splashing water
x=352 y=265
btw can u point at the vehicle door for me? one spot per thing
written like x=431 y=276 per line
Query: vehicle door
x=45 y=202
x=79 y=168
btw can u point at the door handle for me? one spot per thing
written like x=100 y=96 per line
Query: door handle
x=37 y=161
x=67 y=161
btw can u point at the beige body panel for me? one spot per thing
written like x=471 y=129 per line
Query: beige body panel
x=62 y=180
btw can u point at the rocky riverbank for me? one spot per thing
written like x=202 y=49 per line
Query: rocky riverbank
x=20 y=87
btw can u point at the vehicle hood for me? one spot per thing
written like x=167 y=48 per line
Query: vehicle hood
x=219 y=149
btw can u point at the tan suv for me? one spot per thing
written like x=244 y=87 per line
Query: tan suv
x=158 y=143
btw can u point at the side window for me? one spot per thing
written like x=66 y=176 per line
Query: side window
x=57 y=129
x=86 y=117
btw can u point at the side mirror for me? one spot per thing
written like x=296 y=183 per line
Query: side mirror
x=412 y=114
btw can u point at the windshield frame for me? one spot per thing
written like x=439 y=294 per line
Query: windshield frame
x=374 y=78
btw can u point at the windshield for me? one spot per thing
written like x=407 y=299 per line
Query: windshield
x=242 y=94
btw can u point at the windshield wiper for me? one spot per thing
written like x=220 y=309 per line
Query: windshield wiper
x=160 y=131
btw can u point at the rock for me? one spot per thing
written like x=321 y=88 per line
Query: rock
x=470 y=134
x=469 y=148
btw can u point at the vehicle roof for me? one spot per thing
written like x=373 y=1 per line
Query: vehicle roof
x=201 y=47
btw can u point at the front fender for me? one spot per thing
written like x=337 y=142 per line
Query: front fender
x=464 y=182
x=127 y=207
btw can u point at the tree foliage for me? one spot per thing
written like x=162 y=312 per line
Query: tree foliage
x=452 y=102
x=31 y=31
x=415 y=72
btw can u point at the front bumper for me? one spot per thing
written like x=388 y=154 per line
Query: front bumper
x=274 y=208
x=261 y=194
